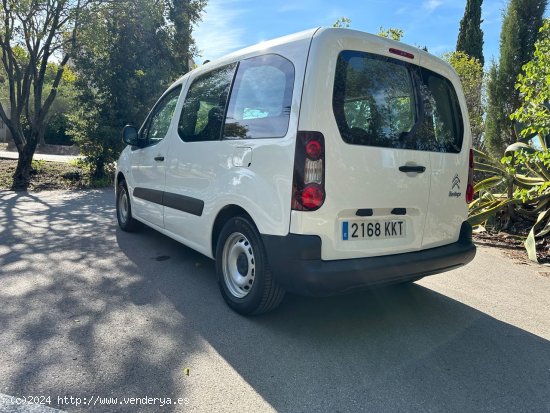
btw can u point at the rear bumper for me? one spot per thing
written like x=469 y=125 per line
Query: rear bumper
x=296 y=263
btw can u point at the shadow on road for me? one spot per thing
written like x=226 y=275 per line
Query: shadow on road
x=399 y=348
x=88 y=308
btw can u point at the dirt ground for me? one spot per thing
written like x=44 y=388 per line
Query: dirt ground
x=512 y=246
x=51 y=176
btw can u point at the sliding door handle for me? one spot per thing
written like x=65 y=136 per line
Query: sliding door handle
x=412 y=168
x=159 y=158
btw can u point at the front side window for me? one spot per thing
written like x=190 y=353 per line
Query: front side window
x=204 y=106
x=384 y=102
x=261 y=99
x=156 y=127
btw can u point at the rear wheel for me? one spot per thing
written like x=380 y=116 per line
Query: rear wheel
x=126 y=222
x=244 y=276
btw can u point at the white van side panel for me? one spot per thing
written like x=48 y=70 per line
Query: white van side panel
x=209 y=171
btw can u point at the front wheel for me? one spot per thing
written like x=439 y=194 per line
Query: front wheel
x=126 y=221
x=244 y=276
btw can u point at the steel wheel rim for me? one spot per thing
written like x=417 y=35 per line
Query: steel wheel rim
x=238 y=265
x=123 y=208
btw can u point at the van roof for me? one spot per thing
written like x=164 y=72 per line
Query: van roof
x=332 y=34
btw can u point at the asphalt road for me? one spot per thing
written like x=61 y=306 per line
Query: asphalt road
x=89 y=311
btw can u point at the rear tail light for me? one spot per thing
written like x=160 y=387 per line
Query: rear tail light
x=470 y=188
x=308 y=186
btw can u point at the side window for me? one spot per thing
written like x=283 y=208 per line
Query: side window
x=157 y=125
x=204 y=106
x=261 y=99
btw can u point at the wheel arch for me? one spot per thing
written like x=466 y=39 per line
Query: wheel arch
x=119 y=178
x=225 y=214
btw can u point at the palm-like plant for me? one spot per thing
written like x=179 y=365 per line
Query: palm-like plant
x=517 y=185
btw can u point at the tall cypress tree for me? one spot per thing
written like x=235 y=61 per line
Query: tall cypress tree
x=522 y=21
x=184 y=14
x=470 y=36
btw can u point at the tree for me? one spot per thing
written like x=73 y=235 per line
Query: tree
x=534 y=87
x=391 y=33
x=57 y=121
x=342 y=22
x=125 y=60
x=184 y=14
x=32 y=32
x=470 y=36
x=471 y=75
x=521 y=24
x=123 y=63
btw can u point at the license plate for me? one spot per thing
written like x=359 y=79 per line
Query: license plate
x=367 y=229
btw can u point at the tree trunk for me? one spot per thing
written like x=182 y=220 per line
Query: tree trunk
x=22 y=175
x=99 y=170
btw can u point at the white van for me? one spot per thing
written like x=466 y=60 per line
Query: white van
x=317 y=163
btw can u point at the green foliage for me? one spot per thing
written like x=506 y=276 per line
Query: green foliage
x=99 y=142
x=520 y=26
x=342 y=22
x=65 y=104
x=534 y=87
x=470 y=36
x=470 y=71
x=184 y=14
x=32 y=35
x=391 y=33
x=518 y=184
x=38 y=165
x=126 y=59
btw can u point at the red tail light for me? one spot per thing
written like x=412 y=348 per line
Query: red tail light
x=308 y=187
x=313 y=196
x=402 y=53
x=470 y=188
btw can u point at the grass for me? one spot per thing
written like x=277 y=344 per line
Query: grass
x=52 y=176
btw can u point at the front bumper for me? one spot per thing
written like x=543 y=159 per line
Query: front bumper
x=297 y=265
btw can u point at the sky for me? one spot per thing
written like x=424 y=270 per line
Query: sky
x=229 y=25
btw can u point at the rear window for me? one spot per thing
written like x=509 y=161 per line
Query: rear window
x=385 y=102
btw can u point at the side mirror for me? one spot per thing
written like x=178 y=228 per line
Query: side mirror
x=130 y=135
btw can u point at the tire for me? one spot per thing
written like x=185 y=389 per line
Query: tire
x=126 y=221
x=244 y=276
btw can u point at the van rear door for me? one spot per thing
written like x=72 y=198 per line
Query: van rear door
x=450 y=139
x=392 y=126
x=379 y=178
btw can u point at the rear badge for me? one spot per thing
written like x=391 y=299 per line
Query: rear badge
x=455 y=184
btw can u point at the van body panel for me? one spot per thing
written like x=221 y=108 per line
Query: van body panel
x=368 y=177
x=357 y=177
x=214 y=172
x=144 y=171
x=448 y=207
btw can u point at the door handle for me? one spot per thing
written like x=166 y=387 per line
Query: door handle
x=412 y=168
x=159 y=158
